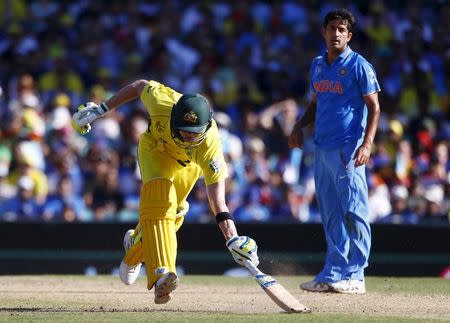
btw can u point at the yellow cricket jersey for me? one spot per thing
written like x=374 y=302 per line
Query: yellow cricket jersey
x=159 y=101
x=39 y=179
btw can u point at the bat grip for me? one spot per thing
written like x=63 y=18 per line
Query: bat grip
x=252 y=268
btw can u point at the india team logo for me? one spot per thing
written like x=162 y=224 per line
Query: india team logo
x=190 y=117
x=342 y=71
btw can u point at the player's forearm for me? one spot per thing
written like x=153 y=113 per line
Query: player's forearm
x=309 y=116
x=216 y=198
x=373 y=116
x=228 y=229
x=126 y=94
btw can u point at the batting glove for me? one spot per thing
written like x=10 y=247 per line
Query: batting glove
x=243 y=248
x=86 y=113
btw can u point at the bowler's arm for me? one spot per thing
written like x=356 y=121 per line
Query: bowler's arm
x=362 y=154
x=296 y=137
x=373 y=116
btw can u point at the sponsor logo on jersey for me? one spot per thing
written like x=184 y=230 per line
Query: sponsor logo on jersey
x=328 y=86
x=215 y=165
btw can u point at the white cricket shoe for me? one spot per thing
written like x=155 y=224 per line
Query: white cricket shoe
x=350 y=286
x=128 y=275
x=164 y=286
x=128 y=240
x=315 y=286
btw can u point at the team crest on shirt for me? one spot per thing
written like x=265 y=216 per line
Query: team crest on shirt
x=342 y=71
x=215 y=165
x=190 y=117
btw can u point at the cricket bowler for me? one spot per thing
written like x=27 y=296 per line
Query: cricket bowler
x=181 y=144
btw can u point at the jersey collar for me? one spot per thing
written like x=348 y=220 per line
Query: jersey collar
x=345 y=53
x=341 y=57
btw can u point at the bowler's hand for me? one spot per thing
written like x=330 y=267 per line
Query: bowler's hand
x=295 y=139
x=362 y=155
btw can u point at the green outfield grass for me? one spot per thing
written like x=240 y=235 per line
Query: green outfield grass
x=216 y=299
x=204 y=317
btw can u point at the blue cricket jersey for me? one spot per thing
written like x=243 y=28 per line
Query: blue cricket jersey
x=341 y=114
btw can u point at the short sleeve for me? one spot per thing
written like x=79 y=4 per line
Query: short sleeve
x=367 y=78
x=210 y=158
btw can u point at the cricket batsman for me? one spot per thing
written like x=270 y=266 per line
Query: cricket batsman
x=181 y=144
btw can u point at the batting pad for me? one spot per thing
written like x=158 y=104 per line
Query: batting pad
x=137 y=234
x=160 y=248
x=135 y=254
x=157 y=212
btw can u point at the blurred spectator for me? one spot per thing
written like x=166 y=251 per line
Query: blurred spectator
x=23 y=206
x=29 y=162
x=7 y=190
x=302 y=202
x=251 y=210
x=23 y=92
x=198 y=205
x=400 y=214
x=278 y=121
x=379 y=204
x=102 y=193
x=64 y=205
x=434 y=196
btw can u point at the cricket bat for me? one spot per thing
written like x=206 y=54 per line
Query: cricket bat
x=276 y=292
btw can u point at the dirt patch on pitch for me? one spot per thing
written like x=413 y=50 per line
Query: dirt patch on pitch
x=104 y=294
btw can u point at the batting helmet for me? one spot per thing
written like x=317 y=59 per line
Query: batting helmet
x=191 y=113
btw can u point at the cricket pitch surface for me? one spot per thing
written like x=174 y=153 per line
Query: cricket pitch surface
x=216 y=298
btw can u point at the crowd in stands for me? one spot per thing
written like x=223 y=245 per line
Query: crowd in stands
x=251 y=59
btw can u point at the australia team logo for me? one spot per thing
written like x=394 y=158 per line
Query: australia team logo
x=190 y=117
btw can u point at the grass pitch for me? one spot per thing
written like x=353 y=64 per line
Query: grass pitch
x=216 y=298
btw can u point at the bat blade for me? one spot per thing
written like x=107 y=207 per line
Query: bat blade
x=280 y=295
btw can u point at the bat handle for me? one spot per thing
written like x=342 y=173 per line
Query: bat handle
x=252 y=268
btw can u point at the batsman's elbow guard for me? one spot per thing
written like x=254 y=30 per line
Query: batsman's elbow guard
x=243 y=248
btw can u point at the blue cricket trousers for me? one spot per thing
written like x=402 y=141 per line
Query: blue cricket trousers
x=342 y=195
